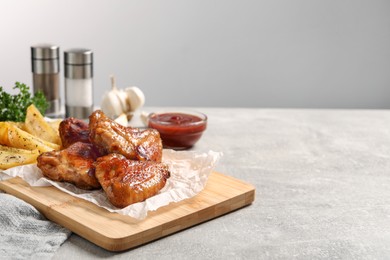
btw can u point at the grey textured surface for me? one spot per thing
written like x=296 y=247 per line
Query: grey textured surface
x=322 y=189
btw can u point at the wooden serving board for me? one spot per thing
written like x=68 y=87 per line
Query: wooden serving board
x=116 y=232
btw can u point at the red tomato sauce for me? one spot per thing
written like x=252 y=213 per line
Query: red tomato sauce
x=178 y=130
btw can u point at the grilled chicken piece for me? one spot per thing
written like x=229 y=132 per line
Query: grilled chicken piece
x=133 y=143
x=73 y=164
x=127 y=181
x=73 y=130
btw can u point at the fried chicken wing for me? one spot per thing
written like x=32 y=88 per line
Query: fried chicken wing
x=127 y=181
x=73 y=130
x=133 y=143
x=73 y=164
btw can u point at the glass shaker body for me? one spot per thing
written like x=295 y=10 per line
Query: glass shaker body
x=78 y=83
x=46 y=75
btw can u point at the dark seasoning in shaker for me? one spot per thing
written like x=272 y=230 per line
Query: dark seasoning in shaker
x=46 y=75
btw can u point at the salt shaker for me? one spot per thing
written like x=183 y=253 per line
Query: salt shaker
x=78 y=83
x=45 y=63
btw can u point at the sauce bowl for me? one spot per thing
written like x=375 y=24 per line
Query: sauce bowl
x=178 y=130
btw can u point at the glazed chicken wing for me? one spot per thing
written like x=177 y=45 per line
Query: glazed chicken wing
x=73 y=130
x=73 y=164
x=127 y=181
x=133 y=143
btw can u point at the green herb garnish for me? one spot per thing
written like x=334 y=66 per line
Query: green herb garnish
x=14 y=107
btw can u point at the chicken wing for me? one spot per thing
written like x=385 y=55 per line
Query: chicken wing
x=127 y=181
x=135 y=144
x=73 y=130
x=73 y=164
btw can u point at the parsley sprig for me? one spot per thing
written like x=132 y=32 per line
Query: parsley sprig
x=14 y=107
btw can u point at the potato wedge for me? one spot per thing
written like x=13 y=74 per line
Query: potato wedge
x=12 y=136
x=35 y=124
x=18 y=124
x=11 y=157
x=4 y=148
x=55 y=124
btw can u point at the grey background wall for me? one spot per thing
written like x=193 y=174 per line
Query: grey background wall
x=265 y=53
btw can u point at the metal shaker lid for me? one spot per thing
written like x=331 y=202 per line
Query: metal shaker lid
x=78 y=63
x=78 y=56
x=45 y=51
x=45 y=58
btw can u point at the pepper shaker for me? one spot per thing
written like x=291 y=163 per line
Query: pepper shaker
x=78 y=83
x=45 y=63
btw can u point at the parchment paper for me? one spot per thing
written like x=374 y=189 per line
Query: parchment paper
x=189 y=173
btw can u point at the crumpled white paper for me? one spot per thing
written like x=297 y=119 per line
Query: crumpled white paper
x=189 y=173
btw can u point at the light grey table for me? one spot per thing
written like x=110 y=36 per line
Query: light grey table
x=322 y=181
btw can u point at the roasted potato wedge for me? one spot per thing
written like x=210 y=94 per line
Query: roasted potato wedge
x=11 y=157
x=36 y=125
x=22 y=142
x=8 y=149
x=18 y=124
x=55 y=124
x=12 y=136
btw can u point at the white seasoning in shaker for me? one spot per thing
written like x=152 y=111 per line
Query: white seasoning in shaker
x=78 y=83
x=79 y=92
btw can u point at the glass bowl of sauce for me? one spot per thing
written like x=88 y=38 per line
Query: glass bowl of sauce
x=178 y=130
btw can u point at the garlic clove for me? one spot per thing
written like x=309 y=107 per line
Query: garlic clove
x=123 y=100
x=111 y=104
x=144 y=118
x=122 y=119
x=136 y=97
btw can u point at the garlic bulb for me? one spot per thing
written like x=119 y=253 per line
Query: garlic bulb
x=118 y=101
